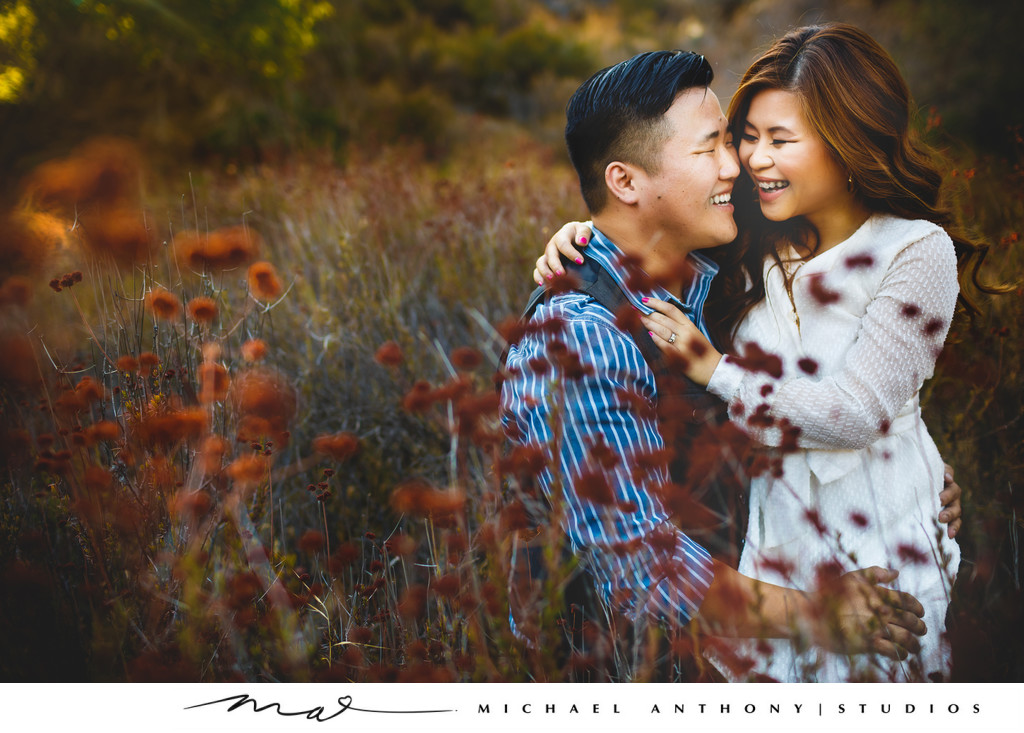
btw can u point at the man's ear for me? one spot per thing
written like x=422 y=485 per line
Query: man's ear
x=621 y=180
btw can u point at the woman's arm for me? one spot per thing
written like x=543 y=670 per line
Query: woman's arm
x=549 y=264
x=899 y=339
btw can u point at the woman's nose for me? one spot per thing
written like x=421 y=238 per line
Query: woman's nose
x=760 y=157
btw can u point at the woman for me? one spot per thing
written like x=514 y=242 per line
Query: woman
x=838 y=294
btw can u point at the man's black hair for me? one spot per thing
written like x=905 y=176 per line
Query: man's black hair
x=618 y=114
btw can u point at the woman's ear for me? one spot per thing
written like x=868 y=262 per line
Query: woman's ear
x=621 y=180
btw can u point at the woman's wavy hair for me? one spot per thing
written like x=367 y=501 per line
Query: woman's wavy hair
x=854 y=96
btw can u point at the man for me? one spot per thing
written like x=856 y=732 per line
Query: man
x=651 y=147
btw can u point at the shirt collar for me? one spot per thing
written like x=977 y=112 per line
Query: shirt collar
x=603 y=251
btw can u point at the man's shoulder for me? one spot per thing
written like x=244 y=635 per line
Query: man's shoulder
x=580 y=313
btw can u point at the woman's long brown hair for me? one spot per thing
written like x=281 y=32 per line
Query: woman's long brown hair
x=855 y=98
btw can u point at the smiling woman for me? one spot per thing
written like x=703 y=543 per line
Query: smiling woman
x=795 y=171
x=850 y=278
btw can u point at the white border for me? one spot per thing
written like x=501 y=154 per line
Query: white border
x=524 y=708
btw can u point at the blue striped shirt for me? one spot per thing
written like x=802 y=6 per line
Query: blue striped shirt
x=643 y=565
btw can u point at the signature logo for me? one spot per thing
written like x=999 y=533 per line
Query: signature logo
x=318 y=714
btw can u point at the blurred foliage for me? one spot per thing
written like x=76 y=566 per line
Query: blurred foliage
x=249 y=80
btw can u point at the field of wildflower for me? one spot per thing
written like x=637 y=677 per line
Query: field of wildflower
x=250 y=428
x=249 y=425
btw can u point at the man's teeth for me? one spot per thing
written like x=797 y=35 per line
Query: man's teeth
x=772 y=185
x=722 y=198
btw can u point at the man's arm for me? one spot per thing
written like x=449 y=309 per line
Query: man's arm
x=852 y=615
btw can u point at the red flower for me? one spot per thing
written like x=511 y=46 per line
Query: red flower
x=933 y=327
x=862 y=260
x=760 y=418
x=162 y=432
x=523 y=460
x=819 y=292
x=446 y=586
x=340 y=446
x=859 y=519
x=514 y=517
x=193 y=505
x=127 y=364
x=202 y=309
x=105 y=171
x=420 y=499
x=603 y=454
x=389 y=354
x=212 y=453
x=512 y=330
x=756 y=359
x=413 y=602
x=254 y=350
x=163 y=304
x=627 y=317
x=637 y=280
x=311 y=542
x=104 y=430
x=563 y=283
x=264 y=282
x=213 y=382
x=538 y=365
x=593 y=486
x=911 y=554
x=117 y=231
x=780 y=566
x=265 y=401
x=89 y=390
x=248 y=469
x=148 y=360
x=401 y=544
x=909 y=310
x=466 y=358
x=419 y=398
x=815 y=520
x=808 y=366
x=221 y=249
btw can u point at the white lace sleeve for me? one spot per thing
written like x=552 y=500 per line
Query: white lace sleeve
x=898 y=341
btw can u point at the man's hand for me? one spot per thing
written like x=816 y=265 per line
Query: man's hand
x=847 y=614
x=950 y=500
x=857 y=615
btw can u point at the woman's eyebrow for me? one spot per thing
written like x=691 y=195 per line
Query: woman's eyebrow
x=773 y=130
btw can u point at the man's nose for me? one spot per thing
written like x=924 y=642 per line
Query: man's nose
x=730 y=165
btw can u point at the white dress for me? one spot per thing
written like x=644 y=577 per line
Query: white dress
x=868 y=318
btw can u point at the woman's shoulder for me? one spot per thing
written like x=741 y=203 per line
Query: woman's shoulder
x=899 y=232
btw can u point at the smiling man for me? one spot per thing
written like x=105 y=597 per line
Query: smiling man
x=589 y=390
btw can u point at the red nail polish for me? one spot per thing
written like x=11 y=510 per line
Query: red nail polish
x=579 y=260
x=644 y=299
x=583 y=240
